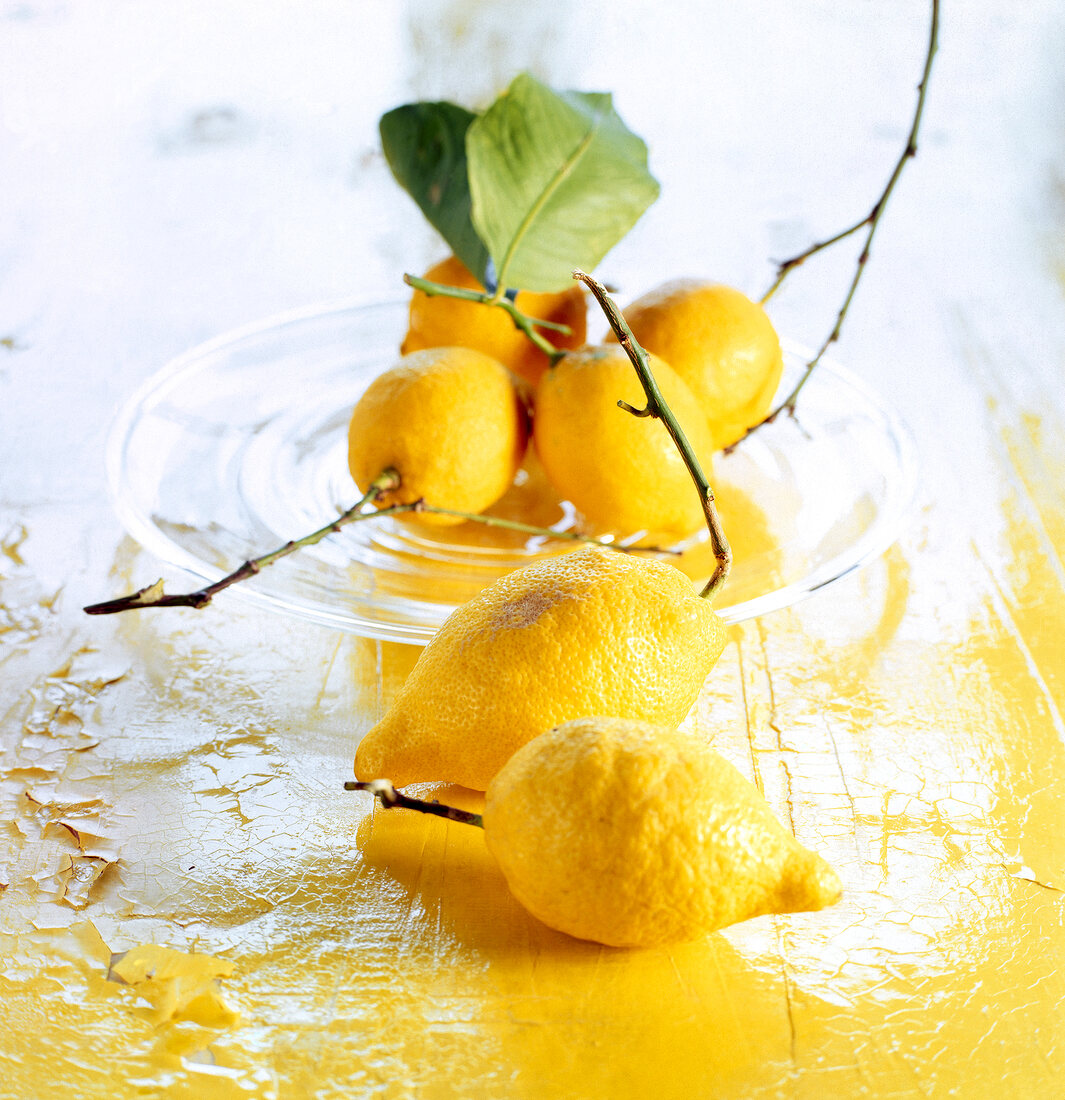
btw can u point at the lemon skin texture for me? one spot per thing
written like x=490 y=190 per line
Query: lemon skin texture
x=589 y=632
x=450 y=421
x=623 y=473
x=720 y=342
x=634 y=835
x=436 y=321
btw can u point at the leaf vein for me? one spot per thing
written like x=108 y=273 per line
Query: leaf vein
x=544 y=197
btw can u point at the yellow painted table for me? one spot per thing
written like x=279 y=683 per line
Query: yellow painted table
x=190 y=904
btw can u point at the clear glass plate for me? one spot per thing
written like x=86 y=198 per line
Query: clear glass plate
x=240 y=445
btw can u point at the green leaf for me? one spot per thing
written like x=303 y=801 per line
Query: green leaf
x=425 y=146
x=557 y=179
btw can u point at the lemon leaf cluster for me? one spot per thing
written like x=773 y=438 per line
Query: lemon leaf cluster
x=539 y=183
x=557 y=180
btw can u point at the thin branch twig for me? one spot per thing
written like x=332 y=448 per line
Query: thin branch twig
x=522 y=321
x=390 y=798
x=153 y=595
x=657 y=407
x=871 y=221
x=531 y=529
x=789 y=265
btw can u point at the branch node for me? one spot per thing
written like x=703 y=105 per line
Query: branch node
x=871 y=221
x=646 y=411
x=657 y=406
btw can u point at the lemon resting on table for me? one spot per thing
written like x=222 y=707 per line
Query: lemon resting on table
x=631 y=834
x=623 y=472
x=450 y=422
x=720 y=342
x=594 y=631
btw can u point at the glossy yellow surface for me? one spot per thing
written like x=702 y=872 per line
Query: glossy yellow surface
x=171 y=782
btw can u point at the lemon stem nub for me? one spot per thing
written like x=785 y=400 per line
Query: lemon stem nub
x=657 y=407
x=390 y=798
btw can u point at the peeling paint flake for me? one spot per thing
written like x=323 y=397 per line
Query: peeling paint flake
x=51 y=807
x=90 y=844
x=178 y=986
x=11 y=542
x=93 y=670
x=78 y=876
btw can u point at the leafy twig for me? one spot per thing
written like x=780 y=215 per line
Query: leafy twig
x=657 y=407
x=390 y=798
x=153 y=595
x=522 y=321
x=871 y=221
x=528 y=528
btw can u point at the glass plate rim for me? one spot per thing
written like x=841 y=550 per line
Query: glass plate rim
x=899 y=505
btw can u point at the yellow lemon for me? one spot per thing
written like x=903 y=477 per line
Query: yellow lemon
x=590 y=632
x=623 y=472
x=630 y=834
x=450 y=421
x=720 y=342
x=437 y=321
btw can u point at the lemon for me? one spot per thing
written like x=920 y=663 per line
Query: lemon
x=451 y=423
x=623 y=472
x=630 y=834
x=720 y=342
x=590 y=632
x=436 y=320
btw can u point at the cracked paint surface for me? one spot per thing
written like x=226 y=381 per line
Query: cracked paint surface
x=382 y=950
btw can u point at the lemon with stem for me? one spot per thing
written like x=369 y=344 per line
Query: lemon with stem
x=636 y=835
x=450 y=421
x=438 y=320
x=593 y=631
